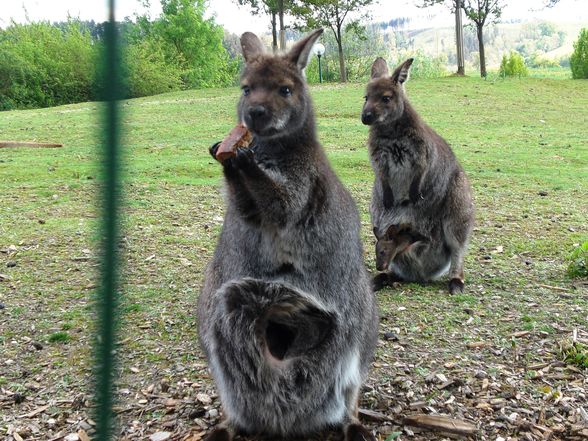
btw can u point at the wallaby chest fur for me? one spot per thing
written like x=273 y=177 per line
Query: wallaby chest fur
x=287 y=318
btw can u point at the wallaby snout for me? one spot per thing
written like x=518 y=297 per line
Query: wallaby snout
x=368 y=117
x=257 y=117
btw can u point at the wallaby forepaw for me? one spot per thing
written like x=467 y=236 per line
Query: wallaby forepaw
x=379 y=281
x=356 y=432
x=219 y=434
x=456 y=286
x=245 y=159
x=214 y=148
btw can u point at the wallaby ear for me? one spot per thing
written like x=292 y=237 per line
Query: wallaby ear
x=379 y=68
x=300 y=52
x=251 y=46
x=391 y=232
x=400 y=75
x=292 y=331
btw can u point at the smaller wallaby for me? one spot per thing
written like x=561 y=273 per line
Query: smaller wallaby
x=418 y=182
x=397 y=240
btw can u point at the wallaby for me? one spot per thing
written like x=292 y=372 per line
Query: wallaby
x=287 y=318
x=418 y=182
x=397 y=240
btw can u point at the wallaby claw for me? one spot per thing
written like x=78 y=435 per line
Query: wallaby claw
x=219 y=434
x=356 y=432
x=456 y=286
x=213 y=149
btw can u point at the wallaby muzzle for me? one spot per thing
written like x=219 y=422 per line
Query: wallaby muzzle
x=368 y=117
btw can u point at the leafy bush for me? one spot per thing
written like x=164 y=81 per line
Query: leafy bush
x=513 y=65
x=578 y=261
x=579 y=58
x=148 y=73
x=43 y=65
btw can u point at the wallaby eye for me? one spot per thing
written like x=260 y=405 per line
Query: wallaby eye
x=365 y=98
x=386 y=99
x=246 y=90
x=285 y=91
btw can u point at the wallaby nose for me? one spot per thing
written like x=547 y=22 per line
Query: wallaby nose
x=257 y=112
x=367 y=118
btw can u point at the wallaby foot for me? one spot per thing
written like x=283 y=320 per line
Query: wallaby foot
x=356 y=432
x=219 y=434
x=379 y=281
x=456 y=286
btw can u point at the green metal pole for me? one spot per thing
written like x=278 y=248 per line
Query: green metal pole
x=107 y=292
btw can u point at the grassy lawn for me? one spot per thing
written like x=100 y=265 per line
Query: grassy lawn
x=490 y=356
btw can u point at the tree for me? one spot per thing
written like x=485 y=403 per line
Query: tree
x=331 y=14
x=482 y=12
x=456 y=9
x=579 y=58
x=192 y=42
x=275 y=9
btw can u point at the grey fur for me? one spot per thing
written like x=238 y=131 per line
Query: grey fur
x=286 y=316
x=419 y=182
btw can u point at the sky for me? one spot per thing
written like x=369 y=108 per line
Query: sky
x=238 y=20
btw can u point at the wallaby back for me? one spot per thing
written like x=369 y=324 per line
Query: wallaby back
x=286 y=317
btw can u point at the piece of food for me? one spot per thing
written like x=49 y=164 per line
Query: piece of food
x=239 y=136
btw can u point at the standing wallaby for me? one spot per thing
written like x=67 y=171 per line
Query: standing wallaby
x=418 y=182
x=287 y=318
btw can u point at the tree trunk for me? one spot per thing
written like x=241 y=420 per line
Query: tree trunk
x=274 y=34
x=343 y=72
x=459 y=39
x=282 y=31
x=480 y=28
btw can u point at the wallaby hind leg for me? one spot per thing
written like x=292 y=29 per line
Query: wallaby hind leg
x=354 y=431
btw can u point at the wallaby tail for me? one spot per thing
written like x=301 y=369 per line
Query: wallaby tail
x=270 y=320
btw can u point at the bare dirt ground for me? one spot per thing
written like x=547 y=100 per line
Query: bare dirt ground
x=490 y=357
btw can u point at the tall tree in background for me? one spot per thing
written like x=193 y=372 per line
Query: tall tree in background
x=455 y=6
x=331 y=14
x=192 y=41
x=482 y=12
x=275 y=9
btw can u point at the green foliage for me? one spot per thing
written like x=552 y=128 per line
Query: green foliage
x=578 y=261
x=42 y=65
x=513 y=65
x=193 y=43
x=579 y=58
x=59 y=337
x=148 y=71
x=331 y=14
x=573 y=352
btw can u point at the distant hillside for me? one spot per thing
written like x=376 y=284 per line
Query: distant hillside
x=540 y=39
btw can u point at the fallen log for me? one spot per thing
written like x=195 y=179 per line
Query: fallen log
x=441 y=423
x=49 y=145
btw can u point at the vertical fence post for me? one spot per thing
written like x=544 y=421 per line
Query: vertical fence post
x=111 y=85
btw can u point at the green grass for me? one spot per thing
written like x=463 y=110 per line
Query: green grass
x=523 y=143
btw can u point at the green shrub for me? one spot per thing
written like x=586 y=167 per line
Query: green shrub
x=579 y=58
x=148 y=72
x=513 y=65
x=578 y=261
